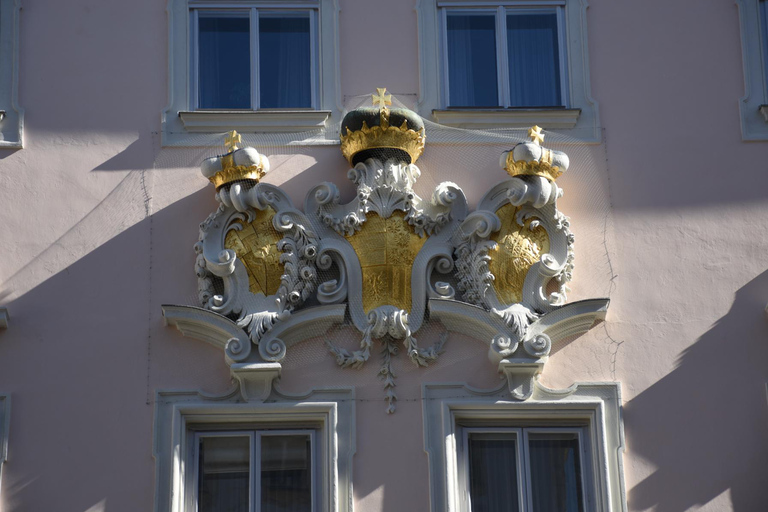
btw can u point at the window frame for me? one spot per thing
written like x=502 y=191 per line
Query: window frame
x=11 y=114
x=183 y=124
x=580 y=117
x=327 y=414
x=253 y=15
x=595 y=408
x=254 y=489
x=753 y=106
x=523 y=462
x=502 y=59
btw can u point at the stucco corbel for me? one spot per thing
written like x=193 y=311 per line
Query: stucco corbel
x=256 y=379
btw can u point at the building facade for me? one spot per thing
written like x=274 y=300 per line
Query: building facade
x=421 y=255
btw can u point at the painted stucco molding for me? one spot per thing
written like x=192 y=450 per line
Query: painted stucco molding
x=329 y=412
x=271 y=275
x=449 y=407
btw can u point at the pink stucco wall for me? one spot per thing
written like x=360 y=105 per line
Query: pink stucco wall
x=98 y=222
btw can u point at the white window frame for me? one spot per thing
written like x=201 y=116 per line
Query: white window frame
x=254 y=436
x=753 y=106
x=185 y=125
x=522 y=432
x=449 y=409
x=11 y=114
x=5 y=423
x=502 y=60
x=580 y=117
x=181 y=416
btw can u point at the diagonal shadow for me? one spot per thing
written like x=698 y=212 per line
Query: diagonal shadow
x=705 y=425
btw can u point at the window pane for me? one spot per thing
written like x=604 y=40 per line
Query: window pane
x=286 y=476
x=534 y=61
x=224 y=469
x=764 y=28
x=493 y=473
x=285 y=61
x=555 y=473
x=224 y=65
x=472 y=79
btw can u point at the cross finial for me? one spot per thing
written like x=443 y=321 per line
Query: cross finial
x=232 y=140
x=536 y=136
x=383 y=99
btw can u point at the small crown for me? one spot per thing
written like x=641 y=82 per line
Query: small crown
x=238 y=164
x=380 y=132
x=530 y=159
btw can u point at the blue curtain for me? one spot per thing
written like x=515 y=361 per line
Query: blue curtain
x=285 y=62
x=224 y=63
x=534 y=62
x=472 y=78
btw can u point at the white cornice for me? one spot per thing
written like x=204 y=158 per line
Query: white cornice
x=507 y=118
x=206 y=121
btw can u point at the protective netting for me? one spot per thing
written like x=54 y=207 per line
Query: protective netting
x=172 y=191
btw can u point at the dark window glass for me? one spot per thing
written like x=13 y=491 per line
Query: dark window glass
x=555 y=473
x=285 y=61
x=493 y=473
x=472 y=75
x=224 y=67
x=534 y=62
x=224 y=469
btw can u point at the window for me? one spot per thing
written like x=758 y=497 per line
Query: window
x=254 y=58
x=516 y=469
x=507 y=65
x=753 y=106
x=253 y=66
x=219 y=453
x=554 y=452
x=11 y=115
x=505 y=57
x=269 y=471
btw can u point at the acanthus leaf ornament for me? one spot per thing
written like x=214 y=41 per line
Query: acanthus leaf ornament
x=388 y=258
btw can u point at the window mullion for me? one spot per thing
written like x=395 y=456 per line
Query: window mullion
x=563 y=53
x=255 y=468
x=526 y=490
x=502 y=61
x=195 y=60
x=314 y=49
x=445 y=100
x=255 y=93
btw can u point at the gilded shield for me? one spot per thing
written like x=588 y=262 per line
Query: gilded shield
x=386 y=249
x=518 y=248
x=256 y=246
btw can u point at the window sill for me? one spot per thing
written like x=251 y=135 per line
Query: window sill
x=507 y=118
x=202 y=121
x=764 y=110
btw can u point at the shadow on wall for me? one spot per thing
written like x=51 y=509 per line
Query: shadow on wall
x=87 y=328
x=705 y=425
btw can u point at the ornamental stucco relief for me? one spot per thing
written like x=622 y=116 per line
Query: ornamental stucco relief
x=386 y=260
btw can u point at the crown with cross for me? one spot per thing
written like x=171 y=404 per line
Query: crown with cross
x=529 y=158
x=236 y=165
x=381 y=132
